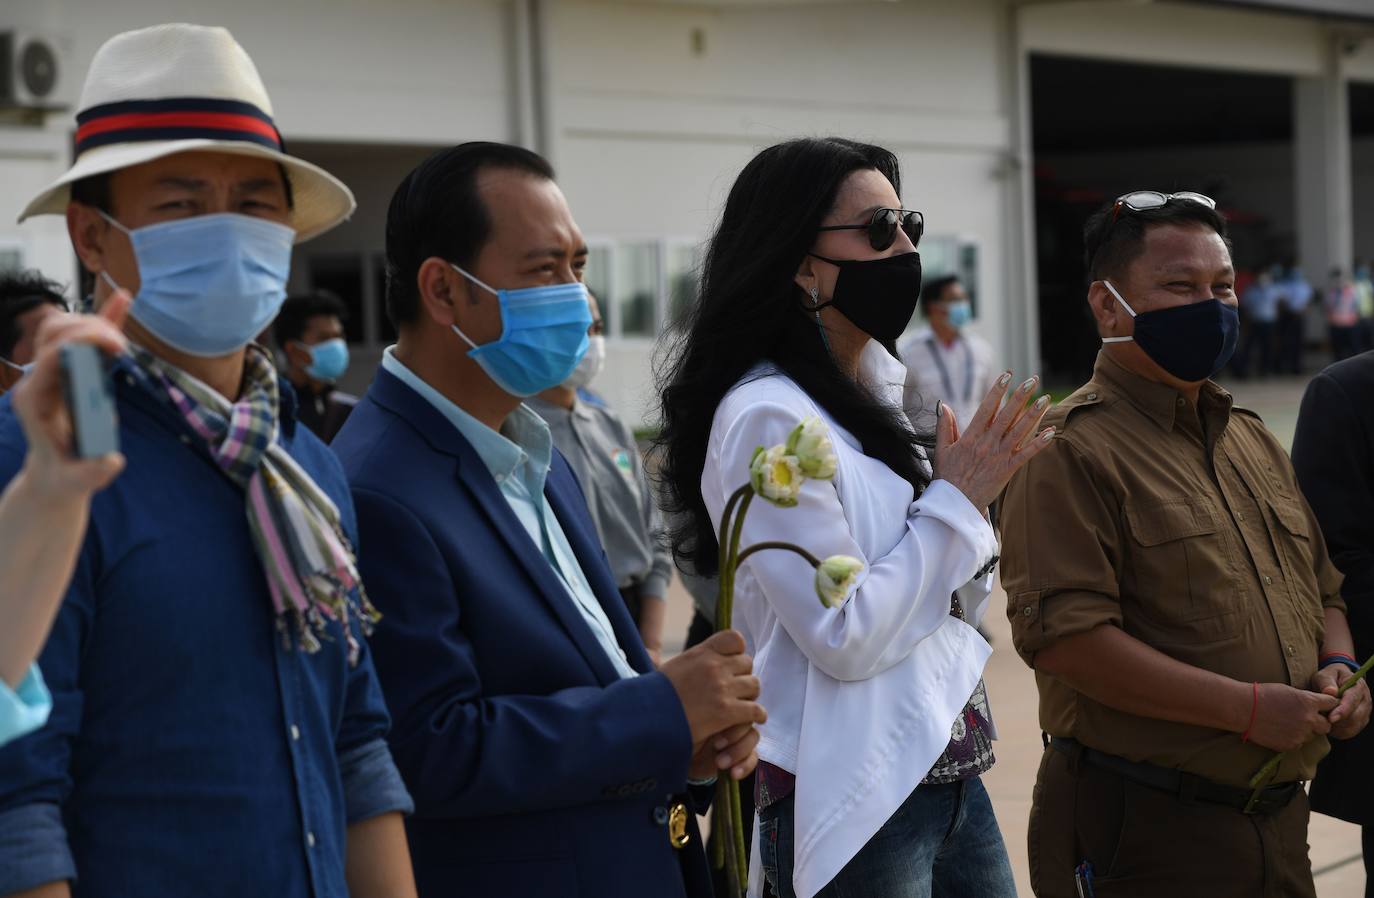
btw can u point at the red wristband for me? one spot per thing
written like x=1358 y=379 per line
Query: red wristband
x=1254 y=707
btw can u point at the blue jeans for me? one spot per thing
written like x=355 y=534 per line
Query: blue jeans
x=943 y=842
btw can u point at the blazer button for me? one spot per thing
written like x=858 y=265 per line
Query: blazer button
x=661 y=816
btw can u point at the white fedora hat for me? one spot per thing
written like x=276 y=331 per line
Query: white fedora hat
x=177 y=88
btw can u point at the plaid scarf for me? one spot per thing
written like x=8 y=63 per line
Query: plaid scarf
x=309 y=564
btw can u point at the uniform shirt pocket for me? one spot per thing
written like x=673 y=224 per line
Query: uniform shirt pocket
x=1178 y=573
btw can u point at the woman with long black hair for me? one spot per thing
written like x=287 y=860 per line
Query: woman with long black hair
x=878 y=725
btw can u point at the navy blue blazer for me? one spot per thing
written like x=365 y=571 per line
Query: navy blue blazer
x=535 y=770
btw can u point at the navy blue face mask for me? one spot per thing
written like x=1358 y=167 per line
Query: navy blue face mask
x=1191 y=342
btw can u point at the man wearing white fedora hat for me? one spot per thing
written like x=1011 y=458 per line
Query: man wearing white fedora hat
x=216 y=723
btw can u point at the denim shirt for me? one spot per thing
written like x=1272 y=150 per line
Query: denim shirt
x=188 y=752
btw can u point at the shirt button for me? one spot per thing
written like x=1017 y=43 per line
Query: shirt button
x=1268 y=581
x=500 y=478
x=1181 y=403
x=1092 y=397
x=1026 y=612
x=310 y=840
x=295 y=733
x=1291 y=650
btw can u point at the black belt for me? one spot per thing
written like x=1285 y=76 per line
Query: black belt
x=1183 y=786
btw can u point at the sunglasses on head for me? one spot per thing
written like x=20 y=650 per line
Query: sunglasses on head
x=1141 y=200
x=882 y=227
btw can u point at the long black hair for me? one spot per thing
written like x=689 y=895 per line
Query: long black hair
x=750 y=310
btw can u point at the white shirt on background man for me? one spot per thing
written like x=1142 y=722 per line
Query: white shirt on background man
x=959 y=373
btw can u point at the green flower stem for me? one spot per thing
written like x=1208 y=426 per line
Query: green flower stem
x=737 y=823
x=1271 y=768
x=796 y=550
x=723 y=549
x=728 y=850
x=732 y=562
x=724 y=837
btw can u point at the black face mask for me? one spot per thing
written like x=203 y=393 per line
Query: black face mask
x=878 y=295
x=1192 y=342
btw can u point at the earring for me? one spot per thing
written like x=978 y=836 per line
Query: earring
x=815 y=296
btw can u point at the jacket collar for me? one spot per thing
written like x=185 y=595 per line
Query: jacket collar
x=393 y=395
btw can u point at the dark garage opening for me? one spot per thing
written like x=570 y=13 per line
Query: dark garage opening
x=1101 y=129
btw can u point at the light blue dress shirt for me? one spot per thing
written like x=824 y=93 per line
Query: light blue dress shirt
x=518 y=459
x=25 y=709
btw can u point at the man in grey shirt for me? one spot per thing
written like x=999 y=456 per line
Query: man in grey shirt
x=605 y=457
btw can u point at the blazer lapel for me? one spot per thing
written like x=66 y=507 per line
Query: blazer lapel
x=389 y=392
x=570 y=508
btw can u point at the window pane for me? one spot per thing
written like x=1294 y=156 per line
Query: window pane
x=682 y=281
x=597 y=277
x=342 y=275
x=636 y=288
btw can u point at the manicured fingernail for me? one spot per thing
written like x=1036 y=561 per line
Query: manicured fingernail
x=1030 y=383
x=1048 y=434
x=1004 y=379
x=939 y=409
x=1042 y=402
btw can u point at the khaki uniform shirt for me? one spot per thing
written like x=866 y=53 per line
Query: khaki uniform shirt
x=1190 y=536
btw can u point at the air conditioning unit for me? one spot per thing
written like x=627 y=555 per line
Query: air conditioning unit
x=31 y=71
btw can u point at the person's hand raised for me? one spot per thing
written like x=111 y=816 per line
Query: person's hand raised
x=41 y=405
x=1001 y=438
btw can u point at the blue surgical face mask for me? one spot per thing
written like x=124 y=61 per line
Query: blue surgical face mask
x=960 y=314
x=209 y=284
x=328 y=359
x=543 y=336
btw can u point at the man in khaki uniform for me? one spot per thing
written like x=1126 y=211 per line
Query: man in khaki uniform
x=1170 y=587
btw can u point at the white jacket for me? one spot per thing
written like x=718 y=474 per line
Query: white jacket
x=860 y=699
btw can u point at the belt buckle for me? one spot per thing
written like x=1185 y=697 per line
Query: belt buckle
x=678 y=836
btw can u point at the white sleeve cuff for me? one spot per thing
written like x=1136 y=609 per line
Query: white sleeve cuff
x=945 y=502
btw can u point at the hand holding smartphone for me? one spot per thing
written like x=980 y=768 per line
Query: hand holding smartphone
x=90 y=400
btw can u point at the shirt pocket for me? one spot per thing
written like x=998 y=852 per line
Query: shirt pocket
x=1179 y=574
x=1292 y=538
x=1292 y=535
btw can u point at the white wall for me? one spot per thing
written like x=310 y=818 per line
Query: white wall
x=649 y=135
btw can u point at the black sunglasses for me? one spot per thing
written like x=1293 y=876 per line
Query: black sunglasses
x=1142 y=200
x=882 y=227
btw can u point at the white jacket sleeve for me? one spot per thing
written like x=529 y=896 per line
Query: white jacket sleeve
x=903 y=595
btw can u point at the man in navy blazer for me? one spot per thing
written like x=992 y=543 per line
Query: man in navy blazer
x=544 y=753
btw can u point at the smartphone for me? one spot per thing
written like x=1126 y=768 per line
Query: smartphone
x=90 y=399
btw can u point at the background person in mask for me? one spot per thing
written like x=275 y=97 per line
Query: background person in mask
x=207 y=668
x=309 y=331
x=27 y=299
x=603 y=453
x=947 y=362
x=1171 y=589
x=878 y=723
x=542 y=747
